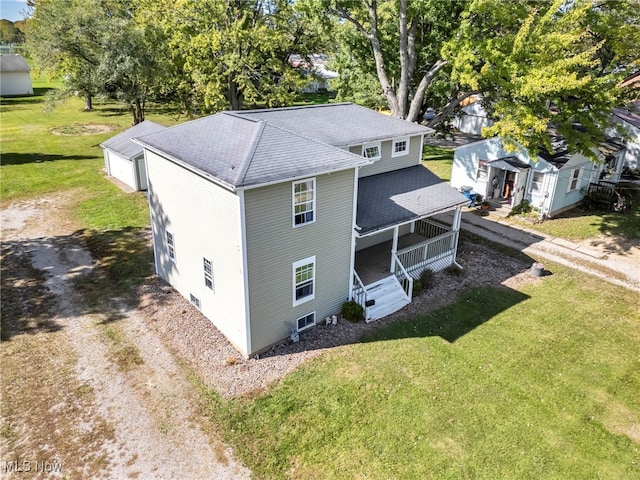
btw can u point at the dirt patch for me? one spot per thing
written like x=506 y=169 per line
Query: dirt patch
x=78 y=129
x=91 y=394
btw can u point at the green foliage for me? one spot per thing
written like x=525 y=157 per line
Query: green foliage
x=546 y=62
x=417 y=288
x=427 y=278
x=352 y=311
x=454 y=271
x=10 y=33
x=523 y=207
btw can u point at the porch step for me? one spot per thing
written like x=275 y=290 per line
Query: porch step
x=389 y=296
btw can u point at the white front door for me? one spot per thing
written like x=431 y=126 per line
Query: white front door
x=520 y=186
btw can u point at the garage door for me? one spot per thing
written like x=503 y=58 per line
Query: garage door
x=122 y=169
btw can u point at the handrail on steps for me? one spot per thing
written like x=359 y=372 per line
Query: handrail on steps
x=407 y=281
x=362 y=297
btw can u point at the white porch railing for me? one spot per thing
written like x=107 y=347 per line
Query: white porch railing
x=405 y=280
x=359 y=293
x=435 y=253
x=430 y=229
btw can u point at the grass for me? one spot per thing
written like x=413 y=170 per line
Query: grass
x=543 y=382
x=439 y=160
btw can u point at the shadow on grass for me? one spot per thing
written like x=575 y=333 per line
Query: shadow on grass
x=121 y=260
x=471 y=309
x=22 y=158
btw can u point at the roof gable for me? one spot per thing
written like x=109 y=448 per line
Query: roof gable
x=240 y=151
x=122 y=143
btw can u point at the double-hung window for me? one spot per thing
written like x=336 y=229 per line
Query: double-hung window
x=304 y=202
x=536 y=182
x=171 y=246
x=208 y=274
x=304 y=280
x=400 y=147
x=574 y=179
x=371 y=151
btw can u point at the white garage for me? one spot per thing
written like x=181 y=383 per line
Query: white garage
x=124 y=159
x=15 y=76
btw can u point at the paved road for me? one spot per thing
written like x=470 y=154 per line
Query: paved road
x=620 y=266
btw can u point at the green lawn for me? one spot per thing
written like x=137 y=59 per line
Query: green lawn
x=439 y=160
x=36 y=163
x=540 y=383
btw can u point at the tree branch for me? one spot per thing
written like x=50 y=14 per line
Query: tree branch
x=447 y=111
x=418 y=97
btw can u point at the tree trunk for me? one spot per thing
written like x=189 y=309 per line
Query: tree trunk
x=418 y=96
x=447 y=111
x=138 y=111
x=235 y=96
x=88 y=101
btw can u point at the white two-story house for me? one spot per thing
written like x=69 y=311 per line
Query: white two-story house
x=268 y=220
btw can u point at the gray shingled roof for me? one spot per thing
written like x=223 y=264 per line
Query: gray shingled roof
x=124 y=146
x=13 y=63
x=630 y=115
x=401 y=196
x=338 y=124
x=241 y=151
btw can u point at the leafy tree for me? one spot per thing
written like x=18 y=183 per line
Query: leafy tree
x=401 y=39
x=236 y=52
x=10 y=33
x=546 y=62
x=98 y=48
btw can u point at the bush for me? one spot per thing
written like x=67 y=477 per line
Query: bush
x=454 y=270
x=427 y=277
x=523 y=207
x=352 y=311
x=417 y=288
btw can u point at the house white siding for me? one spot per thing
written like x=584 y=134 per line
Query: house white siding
x=388 y=162
x=472 y=119
x=204 y=219
x=274 y=245
x=631 y=157
x=566 y=197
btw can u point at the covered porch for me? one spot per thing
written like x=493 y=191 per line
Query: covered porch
x=395 y=238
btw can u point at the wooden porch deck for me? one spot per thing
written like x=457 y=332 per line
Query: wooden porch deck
x=373 y=263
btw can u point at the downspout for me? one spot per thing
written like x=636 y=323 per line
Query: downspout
x=153 y=230
x=245 y=271
x=456 y=228
x=352 y=260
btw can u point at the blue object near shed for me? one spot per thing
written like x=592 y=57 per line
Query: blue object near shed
x=471 y=196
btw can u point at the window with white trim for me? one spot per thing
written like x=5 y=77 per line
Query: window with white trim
x=574 y=179
x=536 y=182
x=304 y=202
x=194 y=300
x=482 y=172
x=208 y=274
x=400 y=147
x=306 y=321
x=171 y=246
x=372 y=150
x=304 y=280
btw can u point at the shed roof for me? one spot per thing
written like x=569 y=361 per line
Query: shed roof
x=242 y=151
x=122 y=143
x=13 y=63
x=338 y=124
x=401 y=196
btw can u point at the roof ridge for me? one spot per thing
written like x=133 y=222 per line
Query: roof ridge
x=242 y=175
x=294 y=107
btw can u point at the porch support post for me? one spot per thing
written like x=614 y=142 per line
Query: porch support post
x=457 y=218
x=413 y=227
x=394 y=247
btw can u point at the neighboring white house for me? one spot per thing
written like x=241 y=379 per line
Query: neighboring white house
x=15 y=78
x=552 y=183
x=629 y=120
x=315 y=70
x=473 y=118
x=124 y=159
x=268 y=220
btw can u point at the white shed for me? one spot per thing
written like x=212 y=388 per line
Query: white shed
x=124 y=159
x=15 y=78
